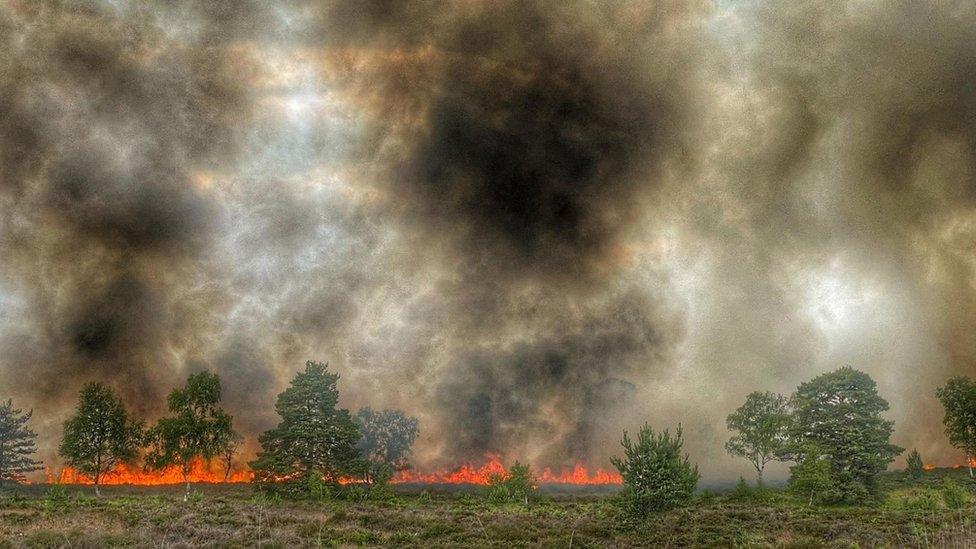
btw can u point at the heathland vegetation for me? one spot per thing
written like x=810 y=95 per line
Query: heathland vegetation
x=322 y=476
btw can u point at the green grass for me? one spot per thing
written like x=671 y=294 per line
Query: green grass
x=914 y=514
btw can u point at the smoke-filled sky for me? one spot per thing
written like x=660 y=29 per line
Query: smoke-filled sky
x=531 y=224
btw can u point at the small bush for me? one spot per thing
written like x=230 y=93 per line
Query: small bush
x=742 y=491
x=306 y=487
x=379 y=488
x=913 y=465
x=56 y=493
x=517 y=485
x=811 y=477
x=923 y=501
x=954 y=496
x=656 y=476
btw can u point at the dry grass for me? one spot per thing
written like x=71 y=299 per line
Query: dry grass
x=235 y=517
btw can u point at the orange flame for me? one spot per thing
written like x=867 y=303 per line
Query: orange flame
x=928 y=467
x=200 y=471
x=471 y=474
x=203 y=472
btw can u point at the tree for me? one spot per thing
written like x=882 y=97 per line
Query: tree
x=840 y=413
x=913 y=466
x=100 y=435
x=656 y=476
x=958 y=399
x=811 y=476
x=386 y=438
x=198 y=429
x=17 y=444
x=762 y=426
x=314 y=437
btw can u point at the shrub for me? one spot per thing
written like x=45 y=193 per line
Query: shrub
x=914 y=465
x=305 y=487
x=923 y=501
x=954 y=496
x=742 y=491
x=811 y=477
x=656 y=476
x=516 y=485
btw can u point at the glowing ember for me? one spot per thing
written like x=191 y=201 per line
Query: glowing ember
x=928 y=467
x=200 y=471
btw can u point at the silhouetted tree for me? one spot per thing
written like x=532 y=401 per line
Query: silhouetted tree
x=958 y=399
x=198 y=429
x=762 y=430
x=315 y=437
x=656 y=476
x=386 y=438
x=100 y=435
x=840 y=414
x=17 y=444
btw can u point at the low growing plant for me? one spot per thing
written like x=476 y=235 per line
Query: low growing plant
x=516 y=486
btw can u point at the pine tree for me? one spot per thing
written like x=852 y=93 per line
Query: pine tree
x=198 y=429
x=840 y=413
x=914 y=465
x=656 y=476
x=315 y=438
x=17 y=444
x=100 y=435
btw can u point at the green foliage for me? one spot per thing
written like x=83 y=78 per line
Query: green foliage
x=100 y=434
x=314 y=437
x=56 y=493
x=198 y=428
x=954 y=496
x=958 y=398
x=742 y=491
x=913 y=466
x=811 y=477
x=762 y=426
x=386 y=438
x=840 y=414
x=17 y=444
x=915 y=500
x=517 y=485
x=656 y=476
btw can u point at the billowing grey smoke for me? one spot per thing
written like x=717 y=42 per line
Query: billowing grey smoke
x=530 y=223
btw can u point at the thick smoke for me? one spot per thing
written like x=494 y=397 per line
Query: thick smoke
x=530 y=223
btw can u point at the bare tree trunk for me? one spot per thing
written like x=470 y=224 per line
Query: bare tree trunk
x=186 y=493
x=98 y=494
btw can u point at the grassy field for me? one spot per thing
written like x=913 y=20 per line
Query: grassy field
x=913 y=515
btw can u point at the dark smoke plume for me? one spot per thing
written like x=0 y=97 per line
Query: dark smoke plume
x=532 y=224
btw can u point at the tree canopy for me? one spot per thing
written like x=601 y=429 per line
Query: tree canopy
x=100 y=434
x=17 y=444
x=762 y=426
x=386 y=437
x=198 y=428
x=315 y=437
x=958 y=398
x=840 y=414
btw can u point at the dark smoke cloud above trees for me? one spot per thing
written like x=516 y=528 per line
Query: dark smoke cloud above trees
x=531 y=224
